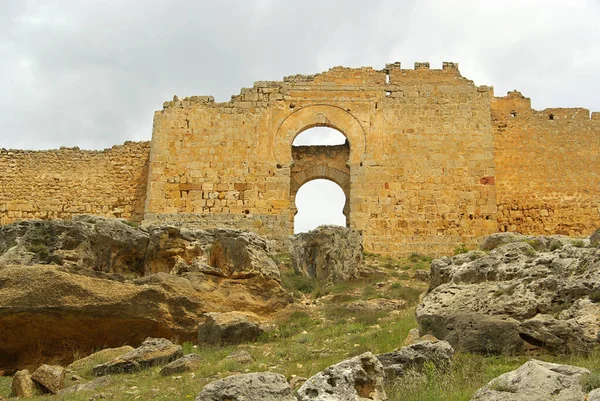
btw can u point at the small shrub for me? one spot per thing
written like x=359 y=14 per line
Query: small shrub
x=578 y=243
x=462 y=248
x=298 y=283
x=595 y=297
x=590 y=382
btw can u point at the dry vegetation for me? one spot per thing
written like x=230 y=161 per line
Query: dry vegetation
x=321 y=330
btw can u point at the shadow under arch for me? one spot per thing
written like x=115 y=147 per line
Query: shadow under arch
x=329 y=214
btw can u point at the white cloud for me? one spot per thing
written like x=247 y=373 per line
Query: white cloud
x=91 y=73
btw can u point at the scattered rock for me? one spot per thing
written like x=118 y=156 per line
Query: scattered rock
x=263 y=386
x=241 y=356
x=99 y=357
x=22 y=384
x=186 y=363
x=328 y=253
x=50 y=377
x=88 y=386
x=538 y=294
x=358 y=378
x=229 y=328
x=153 y=351
x=415 y=356
x=535 y=381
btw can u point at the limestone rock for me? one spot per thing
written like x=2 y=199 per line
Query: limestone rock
x=538 y=293
x=498 y=239
x=535 y=381
x=99 y=357
x=186 y=363
x=50 y=377
x=153 y=351
x=328 y=253
x=263 y=386
x=359 y=378
x=241 y=356
x=415 y=356
x=85 y=244
x=229 y=327
x=22 y=384
x=220 y=252
x=55 y=309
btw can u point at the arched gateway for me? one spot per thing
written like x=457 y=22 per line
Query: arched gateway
x=425 y=149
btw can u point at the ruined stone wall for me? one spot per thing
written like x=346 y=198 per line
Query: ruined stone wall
x=420 y=157
x=548 y=168
x=65 y=182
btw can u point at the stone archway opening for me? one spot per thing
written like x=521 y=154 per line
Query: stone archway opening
x=320 y=154
x=318 y=202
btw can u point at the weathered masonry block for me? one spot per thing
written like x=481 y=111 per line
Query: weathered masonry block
x=431 y=161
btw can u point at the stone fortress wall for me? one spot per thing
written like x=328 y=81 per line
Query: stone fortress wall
x=69 y=181
x=431 y=161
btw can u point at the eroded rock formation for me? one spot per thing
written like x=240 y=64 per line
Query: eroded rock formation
x=96 y=282
x=328 y=253
x=535 y=291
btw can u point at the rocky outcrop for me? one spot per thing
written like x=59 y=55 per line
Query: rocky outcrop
x=537 y=292
x=153 y=351
x=229 y=328
x=359 y=378
x=84 y=244
x=263 y=386
x=103 y=283
x=219 y=252
x=415 y=356
x=536 y=381
x=186 y=363
x=328 y=253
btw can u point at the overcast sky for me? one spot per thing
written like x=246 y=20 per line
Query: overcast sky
x=91 y=73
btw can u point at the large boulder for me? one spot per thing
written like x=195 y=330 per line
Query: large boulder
x=153 y=351
x=415 y=357
x=102 y=356
x=85 y=244
x=50 y=377
x=263 y=386
x=536 y=381
x=328 y=253
x=104 y=283
x=220 y=252
x=355 y=379
x=539 y=293
x=229 y=328
x=186 y=363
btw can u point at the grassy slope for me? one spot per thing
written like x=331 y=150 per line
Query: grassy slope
x=322 y=331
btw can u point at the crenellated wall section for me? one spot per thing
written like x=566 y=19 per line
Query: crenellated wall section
x=548 y=167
